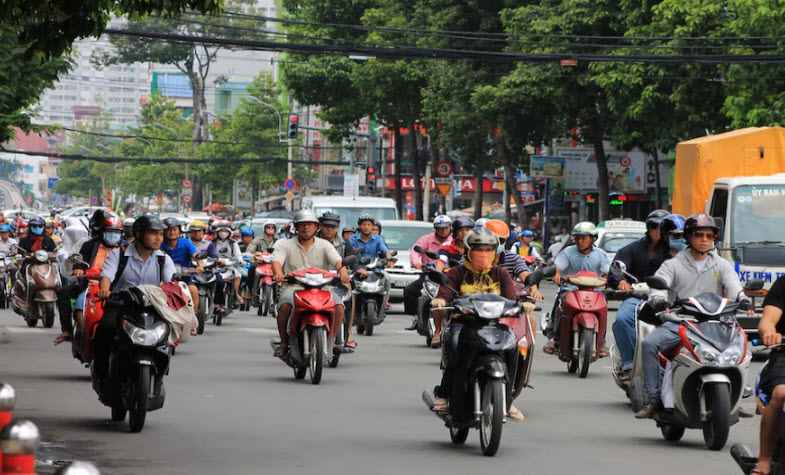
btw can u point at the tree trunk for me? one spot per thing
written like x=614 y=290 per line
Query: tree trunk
x=200 y=134
x=657 y=193
x=398 y=153
x=478 y=193
x=414 y=155
x=603 y=188
x=254 y=191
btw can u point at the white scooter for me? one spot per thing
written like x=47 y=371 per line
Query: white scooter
x=704 y=377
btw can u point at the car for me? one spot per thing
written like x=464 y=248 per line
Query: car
x=351 y=208
x=275 y=213
x=84 y=211
x=616 y=233
x=400 y=236
x=26 y=214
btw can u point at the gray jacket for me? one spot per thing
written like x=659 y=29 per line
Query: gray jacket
x=684 y=280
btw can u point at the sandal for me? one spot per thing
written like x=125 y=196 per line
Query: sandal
x=351 y=344
x=515 y=414
x=63 y=338
x=440 y=405
x=436 y=341
x=549 y=348
x=602 y=353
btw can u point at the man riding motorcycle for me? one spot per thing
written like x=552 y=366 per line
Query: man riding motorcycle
x=196 y=232
x=583 y=256
x=7 y=243
x=266 y=240
x=642 y=258
x=246 y=238
x=181 y=250
x=771 y=384
x=523 y=247
x=37 y=239
x=228 y=249
x=328 y=230
x=142 y=263
x=456 y=250
x=433 y=242
x=512 y=262
x=299 y=252
x=479 y=273
x=693 y=271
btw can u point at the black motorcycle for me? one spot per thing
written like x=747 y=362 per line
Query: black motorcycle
x=425 y=323
x=138 y=361
x=369 y=290
x=491 y=372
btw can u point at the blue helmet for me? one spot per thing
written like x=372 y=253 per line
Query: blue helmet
x=5 y=228
x=527 y=233
x=246 y=231
x=672 y=229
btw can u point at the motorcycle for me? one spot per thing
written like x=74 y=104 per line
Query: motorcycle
x=369 y=288
x=6 y=270
x=205 y=287
x=426 y=324
x=310 y=322
x=501 y=368
x=86 y=325
x=222 y=311
x=34 y=294
x=245 y=284
x=138 y=361
x=581 y=321
x=704 y=376
x=263 y=291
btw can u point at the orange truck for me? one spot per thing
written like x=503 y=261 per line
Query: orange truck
x=739 y=178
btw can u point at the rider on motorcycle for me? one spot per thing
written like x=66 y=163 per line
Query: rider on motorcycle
x=246 y=239
x=433 y=242
x=142 y=263
x=37 y=239
x=583 y=256
x=693 y=271
x=182 y=252
x=365 y=243
x=642 y=259
x=228 y=249
x=328 y=230
x=512 y=262
x=303 y=251
x=7 y=243
x=771 y=384
x=347 y=233
x=479 y=273
x=266 y=240
x=523 y=247
x=456 y=250
x=196 y=232
x=49 y=230
x=128 y=234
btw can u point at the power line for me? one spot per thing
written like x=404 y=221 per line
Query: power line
x=456 y=54
x=158 y=160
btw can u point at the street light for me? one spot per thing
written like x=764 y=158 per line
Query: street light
x=274 y=109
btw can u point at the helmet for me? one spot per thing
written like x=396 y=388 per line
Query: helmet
x=365 y=217
x=330 y=218
x=527 y=233
x=461 y=222
x=222 y=224
x=171 y=223
x=146 y=223
x=97 y=221
x=197 y=225
x=498 y=228
x=481 y=237
x=305 y=216
x=442 y=221
x=655 y=218
x=5 y=228
x=700 y=220
x=672 y=224
x=113 y=223
x=585 y=228
x=36 y=225
x=128 y=223
x=246 y=231
x=378 y=224
x=348 y=229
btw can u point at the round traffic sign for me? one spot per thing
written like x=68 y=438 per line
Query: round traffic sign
x=444 y=168
x=187 y=183
x=186 y=199
x=289 y=184
x=625 y=161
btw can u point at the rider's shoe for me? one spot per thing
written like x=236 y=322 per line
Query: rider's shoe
x=550 y=347
x=647 y=412
x=413 y=326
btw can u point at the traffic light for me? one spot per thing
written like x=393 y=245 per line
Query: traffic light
x=294 y=121
x=617 y=199
x=370 y=179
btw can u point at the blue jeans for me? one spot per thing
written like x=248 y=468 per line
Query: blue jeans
x=624 y=331
x=663 y=338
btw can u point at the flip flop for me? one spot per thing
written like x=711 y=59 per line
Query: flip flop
x=62 y=339
x=351 y=344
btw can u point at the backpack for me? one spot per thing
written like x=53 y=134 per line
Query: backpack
x=124 y=262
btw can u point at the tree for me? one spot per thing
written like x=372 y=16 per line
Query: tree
x=37 y=38
x=83 y=178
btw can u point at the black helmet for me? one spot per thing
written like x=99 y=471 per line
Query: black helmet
x=461 y=222
x=97 y=221
x=365 y=217
x=36 y=221
x=171 y=223
x=654 y=218
x=146 y=223
x=328 y=217
x=700 y=220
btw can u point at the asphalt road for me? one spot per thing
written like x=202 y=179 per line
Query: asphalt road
x=232 y=408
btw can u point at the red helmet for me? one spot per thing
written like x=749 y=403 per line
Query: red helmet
x=113 y=223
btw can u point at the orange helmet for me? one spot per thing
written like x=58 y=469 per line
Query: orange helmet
x=498 y=227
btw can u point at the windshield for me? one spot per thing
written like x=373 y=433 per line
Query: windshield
x=758 y=214
x=614 y=243
x=402 y=238
x=349 y=215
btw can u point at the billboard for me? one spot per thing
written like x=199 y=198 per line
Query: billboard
x=626 y=170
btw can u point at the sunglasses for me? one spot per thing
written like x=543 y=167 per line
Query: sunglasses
x=703 y=234
x=331 y=226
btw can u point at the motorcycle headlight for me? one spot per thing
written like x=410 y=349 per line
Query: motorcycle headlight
x=730 y=356
x=432 y=288
x=489 y=309
x=143 y=337
x=41 y=256
x=366 y=286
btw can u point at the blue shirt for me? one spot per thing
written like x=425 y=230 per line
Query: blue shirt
x=182 y=253
x=374 y=247
x=571 y=261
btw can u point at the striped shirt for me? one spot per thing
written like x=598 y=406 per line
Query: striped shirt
x=513 y=264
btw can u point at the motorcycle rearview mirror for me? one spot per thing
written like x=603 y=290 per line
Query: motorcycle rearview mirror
x=618 y=269
x=657 y=283
x=419 y=249
x=438 y=277
x=549 y=271
x=393 y=253
x=754 y=284
x=349 y=261
x=534 y=278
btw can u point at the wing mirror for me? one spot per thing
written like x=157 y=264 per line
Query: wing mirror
x=438 y=277
x=657 y=283
x=534 y=278
x=754 y=284
x=618 y=269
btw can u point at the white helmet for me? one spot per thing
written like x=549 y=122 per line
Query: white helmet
x=442 y=221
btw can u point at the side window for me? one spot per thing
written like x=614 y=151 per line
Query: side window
x=719 y=208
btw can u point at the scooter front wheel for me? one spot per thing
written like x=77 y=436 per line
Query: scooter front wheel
x=316 y=365
x=137 y=411
x=458 y=436
x=717 y=428
x=369 y=316
x=47 y=313
x=492 y=417
x=586 y=347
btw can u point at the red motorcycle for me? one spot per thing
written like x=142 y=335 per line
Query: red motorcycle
x=264 y=283
x=312 y=318
x=86 y=325
x=582 y=321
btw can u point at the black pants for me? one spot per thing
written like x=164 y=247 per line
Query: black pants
x=104 y=339
x=70 y=290
x=411 y=293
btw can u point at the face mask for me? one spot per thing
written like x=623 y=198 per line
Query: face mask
x=223 y=235
x=482 y=261
x=112 y=238
x=677 y=244
x=37 y=230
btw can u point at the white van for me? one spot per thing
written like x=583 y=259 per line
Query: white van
x=752 y=210
x=349 y=208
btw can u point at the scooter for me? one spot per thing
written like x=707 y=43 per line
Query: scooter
x=582 y=320
x=369 y=291
x=6 y=270
x=498 y=373
x=426 y=324
x=264 y=283
x=245 y=284
x=310 y=322
x=222 y=311
x=704 y=376
x=205 y=287
x=34 y=295
x=138 y=361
